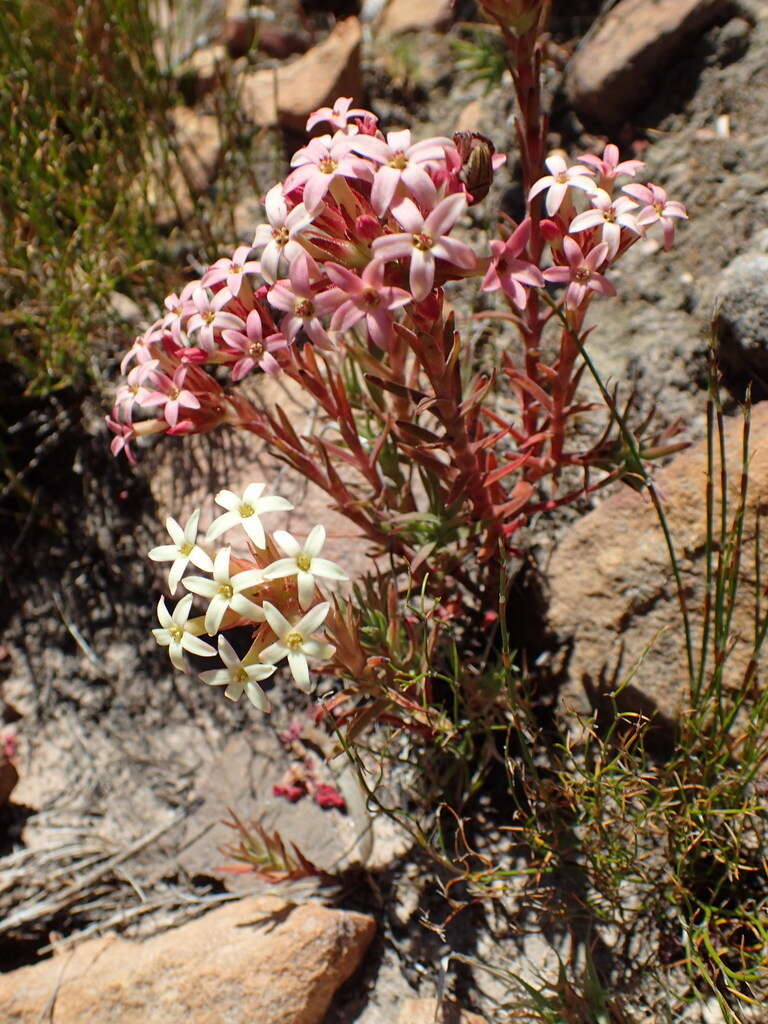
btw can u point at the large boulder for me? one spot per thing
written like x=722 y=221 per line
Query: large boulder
x=619 y=62
x=259 y=959
x=613 y=602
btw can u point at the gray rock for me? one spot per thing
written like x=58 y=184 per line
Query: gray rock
x=742 y=322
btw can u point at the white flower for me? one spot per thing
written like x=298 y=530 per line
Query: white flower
x=245 y=512
x=294 y=641
x=178 y=635
x=304 y=563
x=240 y=676
x=225 y=591
x=182 y=551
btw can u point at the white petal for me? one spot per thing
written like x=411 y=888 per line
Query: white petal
x=190 y=530
x=197 y=646
x=306 y=588
x=182 y=610
x=299 y=670
x=176 y=532
x=282 y=567
x=254 y=529
x=314 y=542
x=227 y=653
x=201 y=559
x=274 y=653
x=227 y=500
x=328 y=569
x=200 y=585
x=217 y=677
x=313 y=619
x=252 y=493
x=286 y=542
x=246 y=608
x=164 y=553
x=234 y=691
x=217 y=609
x=257 y=697
x=222 y=524
x=163 y=614
x=176 y=572
x=221 y=565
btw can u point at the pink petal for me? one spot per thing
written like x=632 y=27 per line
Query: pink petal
x=422 y=274
x=445 y=214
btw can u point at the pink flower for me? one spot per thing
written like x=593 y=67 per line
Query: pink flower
x=253 y=348
x=658 y=208
x=179 y=308
x=172 y=395
x=141 y=349
x=232 y=270
x=338 y=115
x=426 y=239
x=303 y=306
x=211 y=318
x=581 y=272
x=609 y=167
x=509 y=273
x=611 y=216
x=319 y=164
x=366 y=296
x=278 y=238
x=124 y=434
x=134 y=391
x=402 y=165
x=558 y=181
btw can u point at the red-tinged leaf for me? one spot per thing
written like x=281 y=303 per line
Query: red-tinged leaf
x=505 y=470
x=332 y=448
x=547 y=371
x=520 y=496
x=533 y=389
x=535 y=439
x=416 y=433
x=396 y=389
x=489 y=440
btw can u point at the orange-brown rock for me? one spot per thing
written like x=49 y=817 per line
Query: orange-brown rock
x=411 y=15
x=258 y=959
x=618 y=63
x=422 y=1011
x=613 y=602
x=290 y=93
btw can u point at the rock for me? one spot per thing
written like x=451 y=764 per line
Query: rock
x=242 y=778
x=203 y=72
x=280 y=42
x=238 y=35
x=259 y=959
x=423 y=1011
x=258 y=96
x=289 y=94
x=411 y=15
x=733 y=40
x=9 y=776
x=613 y=603
x=191 y=167
x=618 y=63
x=742 y=322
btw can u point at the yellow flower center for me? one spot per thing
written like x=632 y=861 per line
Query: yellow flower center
x=240 y=675
x=235 y=268
x=399 y=161
x=371 y=297
x=225 y=590
x=255 y=349
x=176 y=632
x=583 y=274
x=304 y=561
x=561 y=178
x=422 y=242
x=209 y=316
x=281 y=235
x=246 y=510
x=293 y=641
x=186 y=548
x=304 y=308
x=327 y=165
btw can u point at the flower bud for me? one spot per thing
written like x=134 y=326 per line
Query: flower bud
x=476 y=152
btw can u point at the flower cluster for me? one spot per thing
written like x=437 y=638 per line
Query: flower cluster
x=275 y=589
x=361 y=228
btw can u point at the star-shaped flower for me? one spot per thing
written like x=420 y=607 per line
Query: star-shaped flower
x=240 y=676
x=226 y=591
x=179 y=633
x=245 y=511
x=611 y=215
x=426 y=239
x=295 y=641
x=509 y=273
x=278 y=238
x=302 y=561
x=559 y=180
x=581 y=272
x=184 y=550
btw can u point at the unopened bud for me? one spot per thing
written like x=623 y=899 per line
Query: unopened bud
x=476 y=152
